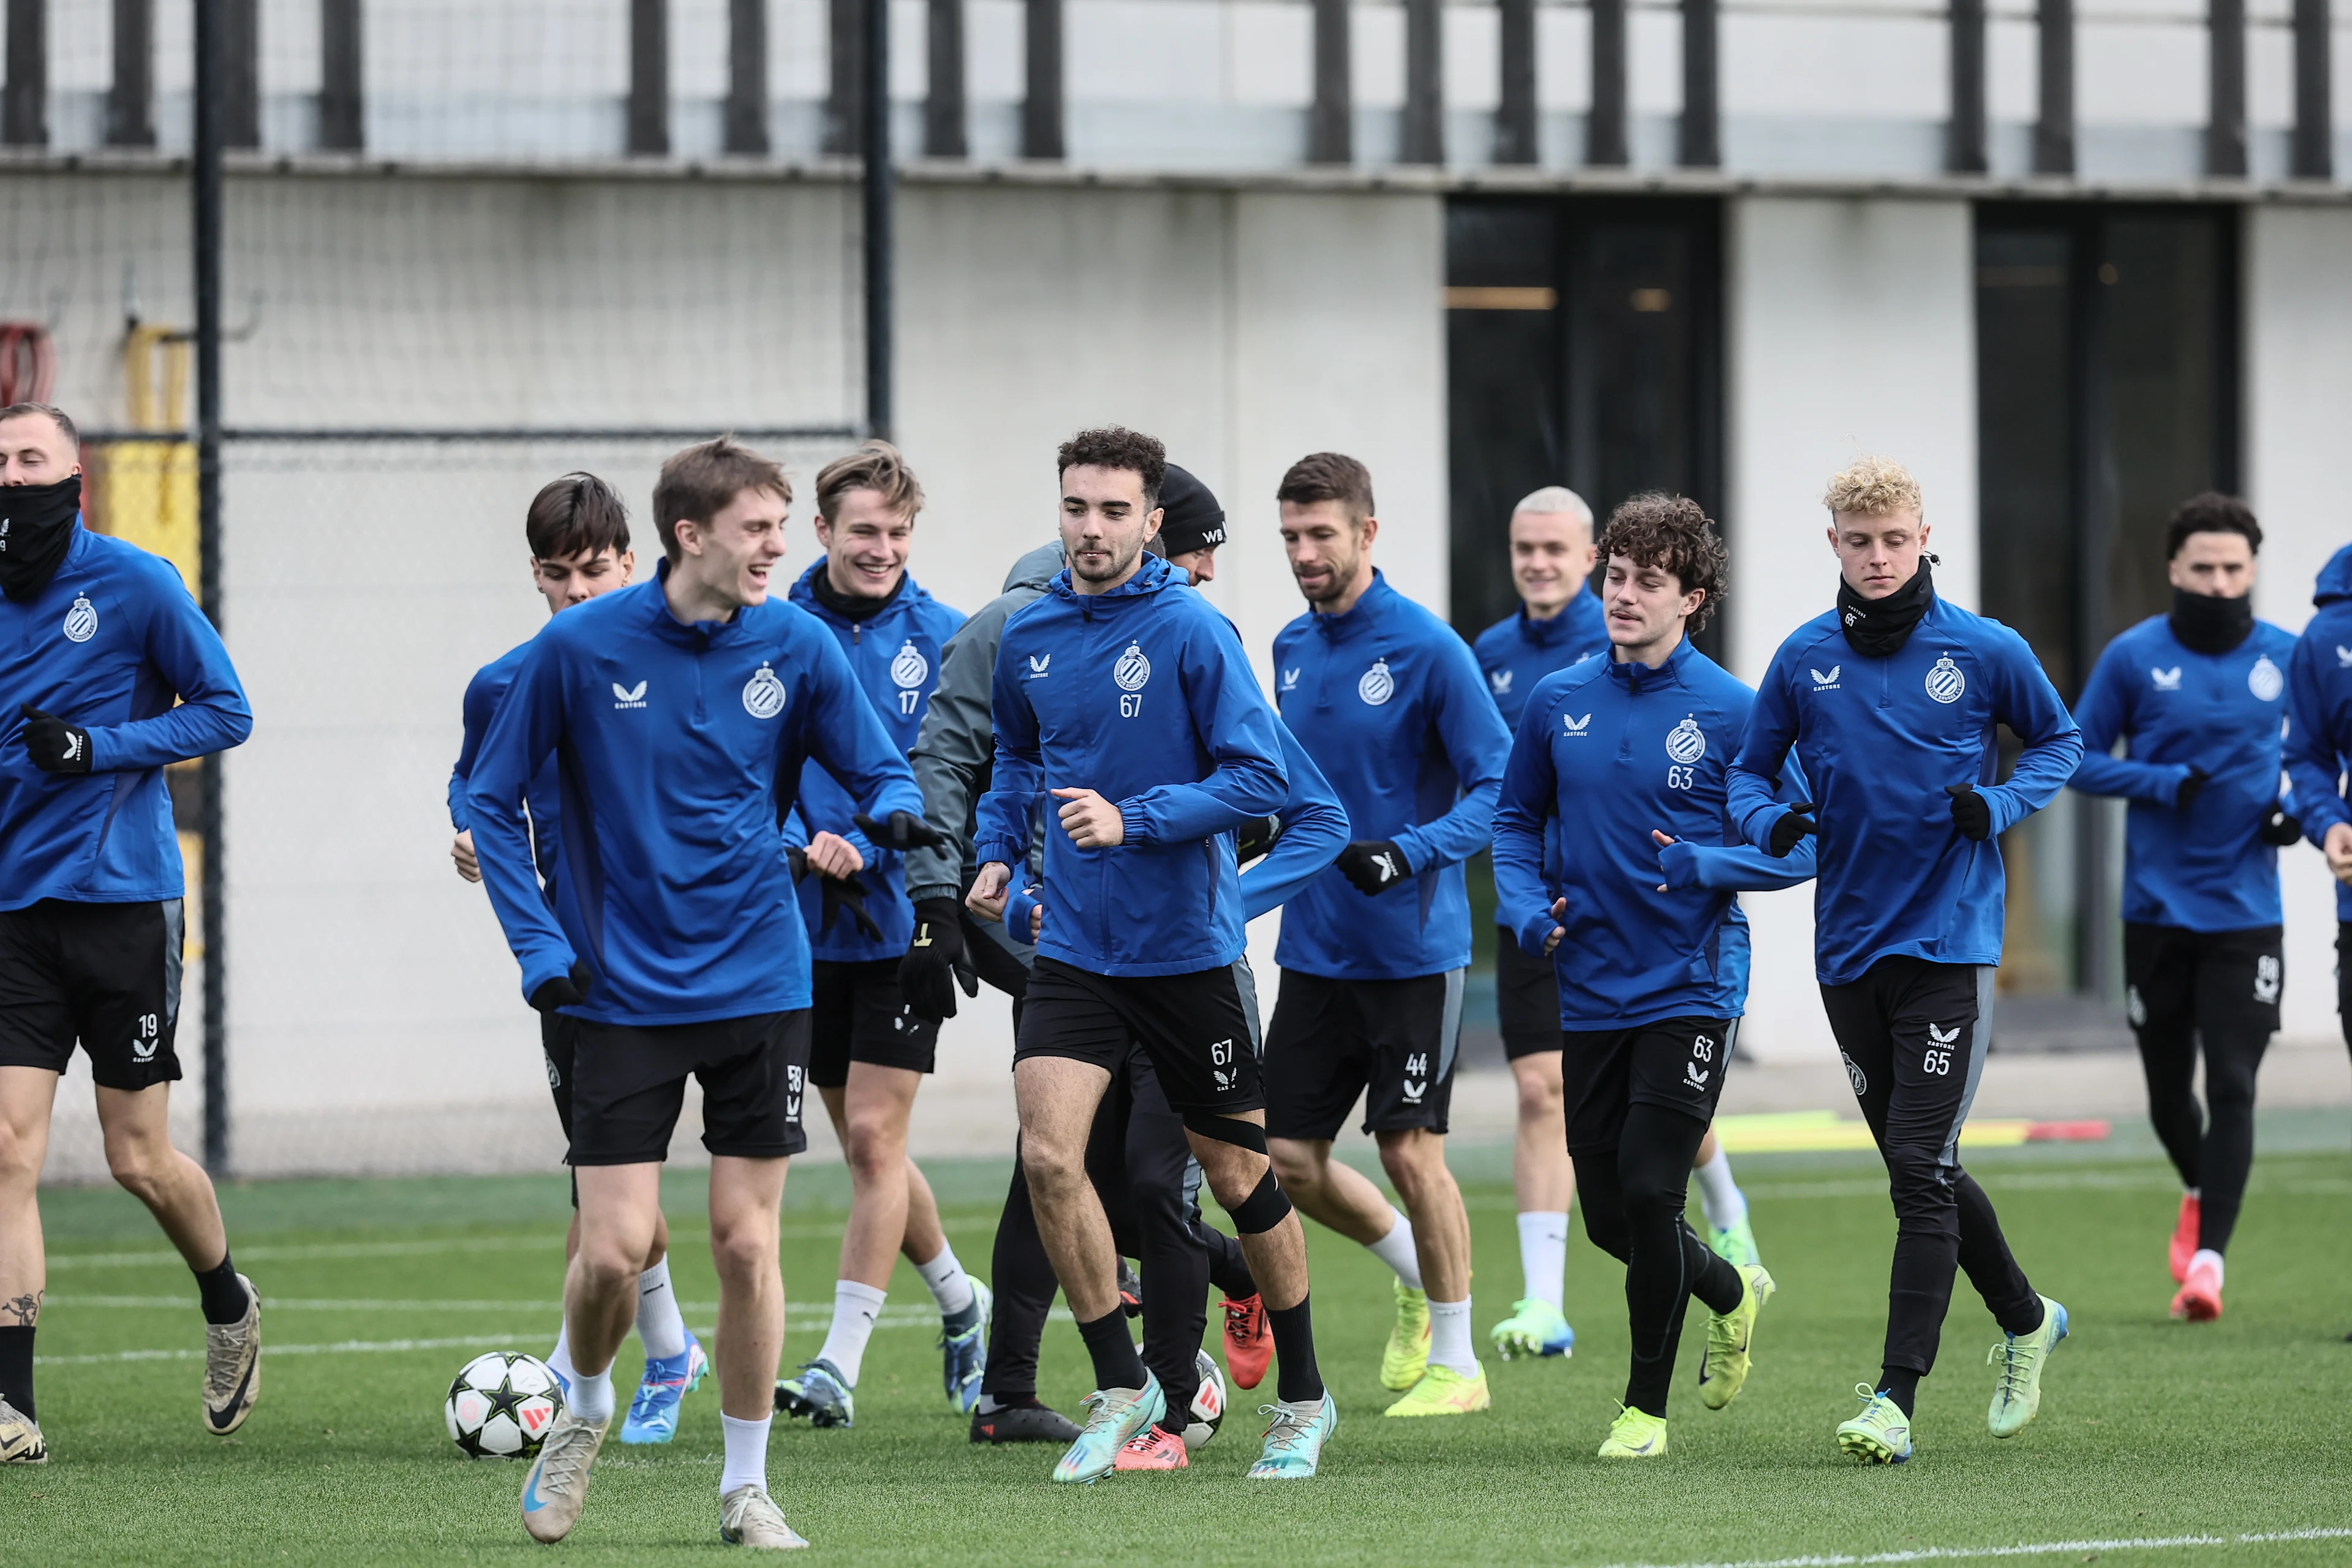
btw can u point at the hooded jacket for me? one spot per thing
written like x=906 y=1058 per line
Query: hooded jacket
x=1144 y=695
x=677 y=747
x=1605 y=753
x=114 y=646
x=895 y=656
x=1881 y=738
x=1388 y=701
x=2319 y=710
x=2205 y=868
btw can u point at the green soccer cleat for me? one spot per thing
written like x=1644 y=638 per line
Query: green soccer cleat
x=1729 y=1336
x=1881 y=1435
x=2017 y=1394
x=1635 y=1435
x=1407 y=1355
x=1293 y=1441
x=1736 y=1244
x=1114 y=1419
x=1535 y=1327
x=821 y=1393
x=1442 y=1391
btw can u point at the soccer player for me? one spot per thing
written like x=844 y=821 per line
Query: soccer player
x=1610 y=861
x=869 y=1050
x=1389 y=702
x=682 y=708
x=1892 y=698
x=578 y=533
x=108 y=672
x=2200 y=696
x=1143 y=918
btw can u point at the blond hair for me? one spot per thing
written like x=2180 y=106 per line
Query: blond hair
x=1556 y=498
x=1875 y=486
x=877 y=467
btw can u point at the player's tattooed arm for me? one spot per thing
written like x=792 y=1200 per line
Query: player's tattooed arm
x=21 y=1311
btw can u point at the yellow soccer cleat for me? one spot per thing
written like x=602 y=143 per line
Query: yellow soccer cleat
x=1442 y=1391
x=1729 y=1336
x=1407 y=1356
x=1635 y=1435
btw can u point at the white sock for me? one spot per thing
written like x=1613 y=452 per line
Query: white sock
x=854 y=1308
x=2206 y=1255
x=1719 y=1197
x=1543 y=1254
x=1396 y=1250
x=950 y=1285
x=559 y=1360
x=1449 y=1337
x=592 y=1396
x=659 y=1324
x=747 y=1453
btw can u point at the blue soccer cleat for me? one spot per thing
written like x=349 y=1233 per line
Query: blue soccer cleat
x=821 y=1393
x=1115 y=1417
x=1294 y=1440
x=653 y=1414
x=963 y=1352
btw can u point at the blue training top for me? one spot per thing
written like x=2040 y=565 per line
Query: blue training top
x=483 y=695
x=1519 y=650
x=2319 y=704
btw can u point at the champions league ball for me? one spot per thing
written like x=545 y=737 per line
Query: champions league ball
x=1208 y=1408
x=501 y=1404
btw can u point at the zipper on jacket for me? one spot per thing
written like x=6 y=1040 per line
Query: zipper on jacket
x=1886 y=681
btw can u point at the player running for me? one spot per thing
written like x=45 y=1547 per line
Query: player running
x=1389 y=702
x=683 y=709
x=1610 y=862
x=1143 y=918
x=869 y=1051
x=108 y=673
x=2201 y=695
x=1892 y=698
x=578 y=533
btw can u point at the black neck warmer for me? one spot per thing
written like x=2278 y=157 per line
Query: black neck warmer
x=851 y=607
x=2208 y=625
x=36 y=528
x=1879 y=627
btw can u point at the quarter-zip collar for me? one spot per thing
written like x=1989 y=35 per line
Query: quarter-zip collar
x=1548 y=632
x=1336 y=629
x=1635 y=677
x=815 y=593
x=1150 y=578
x=697 y=636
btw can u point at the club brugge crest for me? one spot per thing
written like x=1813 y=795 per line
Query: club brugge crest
x=1945 y=682
x=910 y=668
x=1378 y=685
x=1132 y=669
x=2263 y=681
x=763 y=694
x=81 y=622
x=1685 y=744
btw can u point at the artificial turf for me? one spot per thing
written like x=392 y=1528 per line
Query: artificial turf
x=2151 y=1429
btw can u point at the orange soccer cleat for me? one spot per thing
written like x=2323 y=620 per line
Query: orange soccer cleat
x=1152 y=1449
x=2184 y=1237
x=1249 y=1342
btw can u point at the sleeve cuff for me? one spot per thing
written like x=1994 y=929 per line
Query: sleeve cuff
x=934 y=890
x=1000 y=851
x=1135 y=827
x=1533 y=932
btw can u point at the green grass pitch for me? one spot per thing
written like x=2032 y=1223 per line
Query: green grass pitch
x=2149 y=1430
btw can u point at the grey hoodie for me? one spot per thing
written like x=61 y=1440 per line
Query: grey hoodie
x=957 y=746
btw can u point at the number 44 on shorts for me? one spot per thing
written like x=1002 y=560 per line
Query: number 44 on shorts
x=1938 y=1058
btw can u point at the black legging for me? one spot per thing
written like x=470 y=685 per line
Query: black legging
x=1633 y=1198
x=2212 y=1149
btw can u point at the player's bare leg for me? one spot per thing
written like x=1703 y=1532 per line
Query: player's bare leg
x=27 y=1095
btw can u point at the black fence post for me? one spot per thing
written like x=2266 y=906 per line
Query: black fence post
x=1042 y=131
x=1516 y=134
x=649 y=78
x=1968 y=154
x=2314 y=118
x=1702 y=122
x=131 y=101
x=1331 y=122
x=747 y=76
x=1607 y=142
x=212 y=74
x=28 y=119
x=2054 y=131
x=1424 y=82
x=943 y=97
x=240 y=78
x=2225 y=128
x=880 y=236
x=342 y=123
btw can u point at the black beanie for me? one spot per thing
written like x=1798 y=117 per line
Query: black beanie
x=1192 y=519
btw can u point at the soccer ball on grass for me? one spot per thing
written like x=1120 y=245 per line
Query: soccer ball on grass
x=1207 y=1411
x=501 y=1404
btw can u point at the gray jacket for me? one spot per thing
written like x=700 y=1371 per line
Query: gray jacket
x=957 y=747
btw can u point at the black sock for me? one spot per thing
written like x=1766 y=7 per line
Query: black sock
x=1901 y=1384
x=17 y=1368
x=989 y=1404
x=1174 y=1422
x=224 y=1300
x=1116 y=1364
x=1298 y=1380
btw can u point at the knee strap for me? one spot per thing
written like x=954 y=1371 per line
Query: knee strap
x=1262 y=1209
x=1230 y=1129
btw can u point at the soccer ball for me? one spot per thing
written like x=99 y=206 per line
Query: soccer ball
x=1208 y=1406
x=501 y=1404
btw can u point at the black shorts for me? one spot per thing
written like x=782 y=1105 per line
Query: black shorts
x=855 y=1015
x=1194 y=1027
x=1391 y=1041
x=1676 y=1063
x=558 y=1042
x=629 y=1084
x=105 y=975
x=1526 y=1000
x=2212 y=980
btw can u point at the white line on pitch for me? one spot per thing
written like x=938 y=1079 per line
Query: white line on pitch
x=2036 y=1549
x=909 y=1313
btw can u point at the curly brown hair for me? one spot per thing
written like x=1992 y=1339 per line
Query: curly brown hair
x=1116 y=447
x=1674 y=534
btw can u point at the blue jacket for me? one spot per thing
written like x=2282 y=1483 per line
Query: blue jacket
x=1516 y=652
x=1388 y=701
x=1144 y=696
x=110 y=645
x=483 y=695
x=2319 y=708
x=2206 y=868
x=677 y=747
x=1881 y=738
x=895 y=654
x=1609 y=751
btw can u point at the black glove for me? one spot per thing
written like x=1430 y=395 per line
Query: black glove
x=1793 y=824
x=2190 y=788
x=836 y=894
x=934 y=966
x=2278 y=828
x=904 y=831
x=55 y=746
x=564 y=991
x=1971 y=813
x=797 y=858
x=1374 y=864
x=1256 y=837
